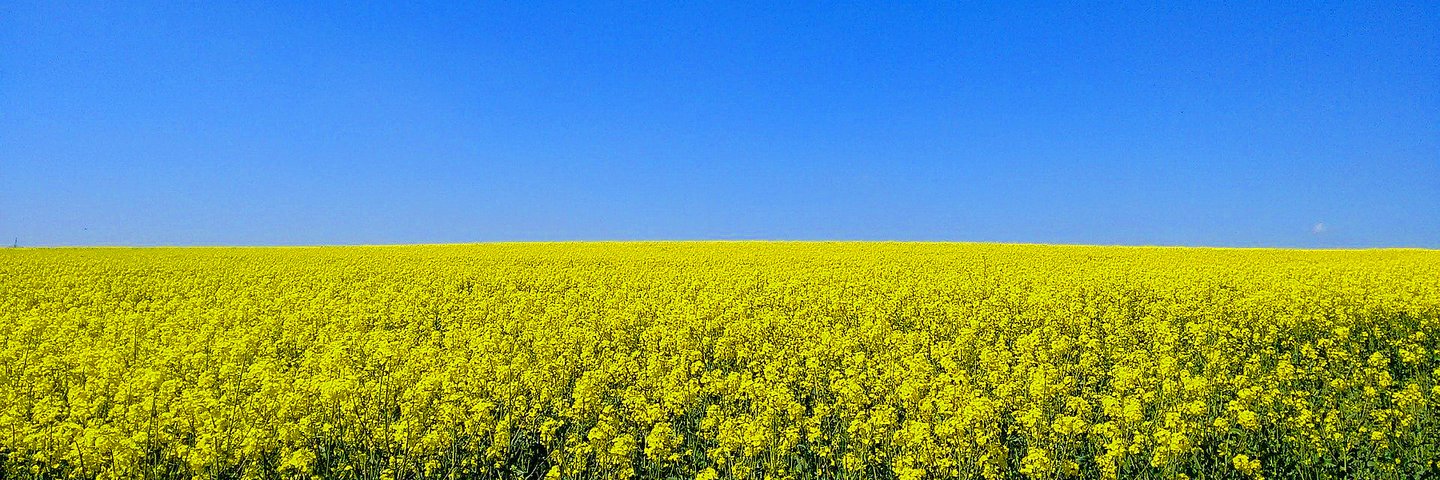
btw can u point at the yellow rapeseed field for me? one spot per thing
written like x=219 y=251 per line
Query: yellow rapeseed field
x=718 y=360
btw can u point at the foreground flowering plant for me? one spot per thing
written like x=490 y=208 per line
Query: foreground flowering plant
x=718 y=360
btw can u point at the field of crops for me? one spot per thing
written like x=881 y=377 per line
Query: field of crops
x=718 y=360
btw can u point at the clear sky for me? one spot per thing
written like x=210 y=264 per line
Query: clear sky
x=1248 y=124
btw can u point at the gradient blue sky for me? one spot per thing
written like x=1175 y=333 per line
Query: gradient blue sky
x=1247 y=124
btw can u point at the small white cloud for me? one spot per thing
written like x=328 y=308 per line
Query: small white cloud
x=1319 y=228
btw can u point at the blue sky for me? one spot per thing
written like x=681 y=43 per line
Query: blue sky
x=1247 y=124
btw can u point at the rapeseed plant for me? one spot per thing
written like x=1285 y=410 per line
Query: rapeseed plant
x=718 y=360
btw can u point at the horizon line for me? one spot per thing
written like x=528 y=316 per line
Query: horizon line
x=635 y=241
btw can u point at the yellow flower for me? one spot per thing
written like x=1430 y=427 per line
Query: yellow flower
x=1248 y=419
x=781 y=360
x=1246 y=465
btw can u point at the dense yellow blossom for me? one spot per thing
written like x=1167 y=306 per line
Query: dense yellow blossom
x=718 y=360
